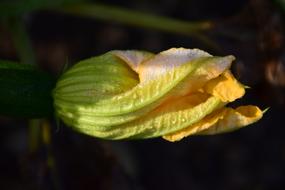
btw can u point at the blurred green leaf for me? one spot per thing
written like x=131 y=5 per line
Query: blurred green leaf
x=7 y=64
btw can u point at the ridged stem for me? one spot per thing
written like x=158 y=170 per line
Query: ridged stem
x=26 y=55
x=38 y=129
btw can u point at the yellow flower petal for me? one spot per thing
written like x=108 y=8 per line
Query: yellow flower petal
x=133 y=58
x=221 y=121
x=166 y=61
x=174 y=58
x=235 y=119
x=171 y=116
x=225 y=87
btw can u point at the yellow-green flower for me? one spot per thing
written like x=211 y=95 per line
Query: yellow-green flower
x=137 y=95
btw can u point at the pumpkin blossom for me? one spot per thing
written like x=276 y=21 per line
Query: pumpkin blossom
x=136 y=95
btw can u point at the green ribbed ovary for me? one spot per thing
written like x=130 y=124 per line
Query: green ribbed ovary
x=134 y=94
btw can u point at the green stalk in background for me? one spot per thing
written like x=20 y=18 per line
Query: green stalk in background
x=143 y=20
x=113 y=14
x=135 y=18
x=21 y=40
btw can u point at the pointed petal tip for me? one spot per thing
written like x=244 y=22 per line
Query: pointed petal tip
x=230 y=57
x=246 y=87
x=265 y=110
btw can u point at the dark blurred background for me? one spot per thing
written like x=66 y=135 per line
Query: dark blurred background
x=252 y=158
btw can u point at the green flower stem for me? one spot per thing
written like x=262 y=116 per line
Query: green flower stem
x=39 y=129
x=26 y=55
x=143 y=20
